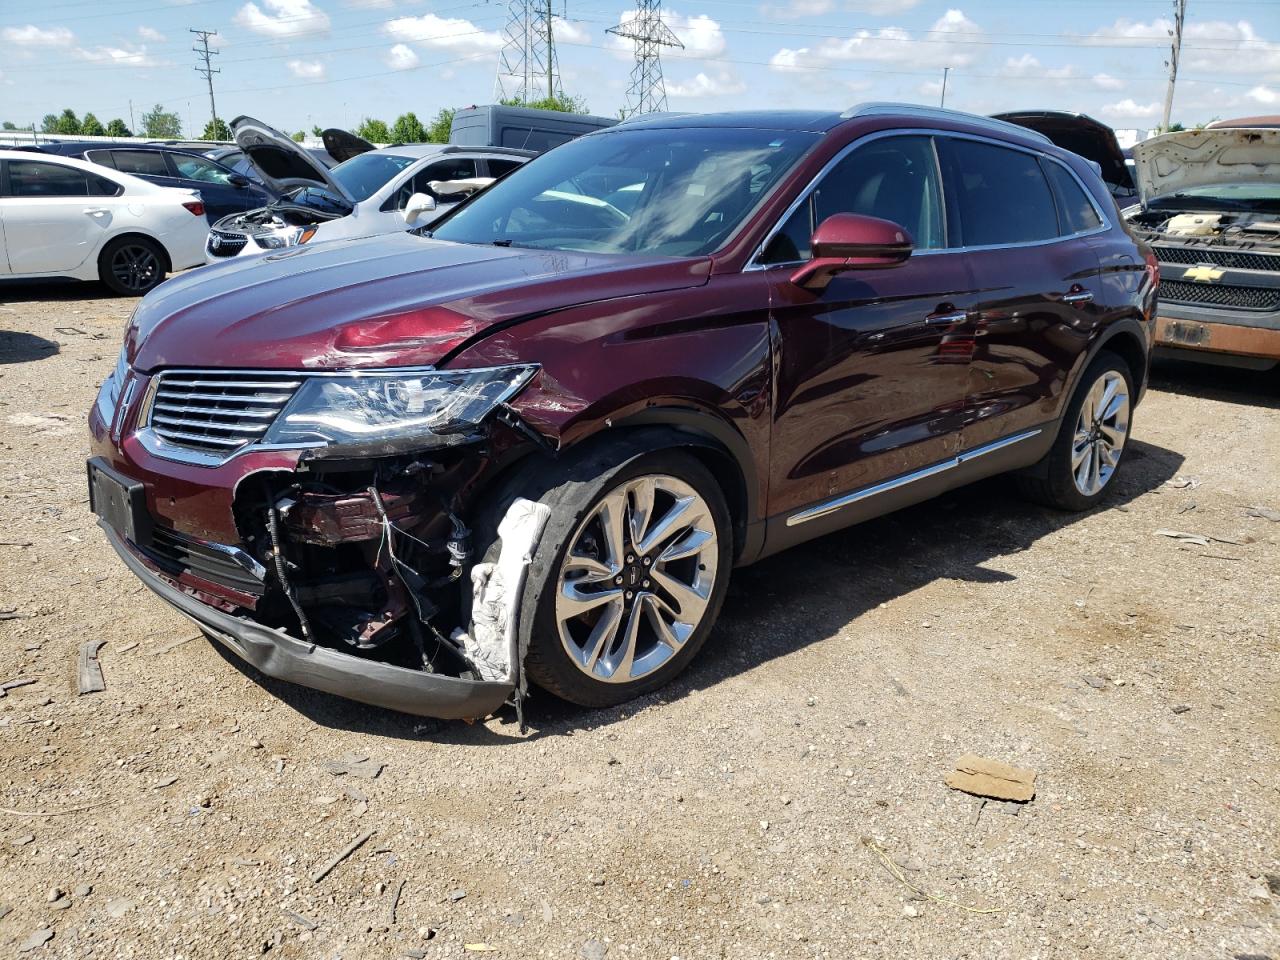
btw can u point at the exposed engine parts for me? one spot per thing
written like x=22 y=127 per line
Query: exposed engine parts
x=1243 y=231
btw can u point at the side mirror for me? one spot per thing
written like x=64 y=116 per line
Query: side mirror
x=418 y=204
x=851 y=241
x=238 y=180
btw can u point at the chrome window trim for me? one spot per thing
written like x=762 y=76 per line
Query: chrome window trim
x=874 y=108
x=844 y=500
x=753 y=263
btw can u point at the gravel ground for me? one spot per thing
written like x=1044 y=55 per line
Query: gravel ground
x=740 y=813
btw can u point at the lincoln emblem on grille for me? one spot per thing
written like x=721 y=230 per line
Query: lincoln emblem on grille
x=1204 y=273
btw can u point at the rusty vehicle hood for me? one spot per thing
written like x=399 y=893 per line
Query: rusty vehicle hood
x=1190 y=159
x=391 y=300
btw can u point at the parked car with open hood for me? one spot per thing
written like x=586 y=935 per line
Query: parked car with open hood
x=372 y=191
x=62 y=217
x=1090 y=138
x=1210 y=208
x=421 y=468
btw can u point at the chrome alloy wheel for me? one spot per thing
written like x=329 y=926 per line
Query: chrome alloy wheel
x=1101 y=431
x=637 y=578
x=135 y=267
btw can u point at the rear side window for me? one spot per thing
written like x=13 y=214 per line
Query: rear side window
x=999 y=195
x=145 y=163
x=498 y=168
x=1075 y=212
x=34 y=179
x=524 y=138
x=198 y=168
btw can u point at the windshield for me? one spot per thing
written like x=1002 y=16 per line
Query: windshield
x=673 y=192
x=364 y=175
x=1225 y=196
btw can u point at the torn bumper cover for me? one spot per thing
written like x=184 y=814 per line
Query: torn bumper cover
x=279 y=655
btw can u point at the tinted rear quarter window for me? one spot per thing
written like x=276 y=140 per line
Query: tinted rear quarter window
x=1075 y=211
x=34 y=179
x=999 y=195
x=498 y=168
x=145 y=163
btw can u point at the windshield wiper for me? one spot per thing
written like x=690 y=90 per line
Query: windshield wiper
x=501 y=243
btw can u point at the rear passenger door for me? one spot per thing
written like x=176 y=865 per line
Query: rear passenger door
x=55 y=216
x=1023 y=221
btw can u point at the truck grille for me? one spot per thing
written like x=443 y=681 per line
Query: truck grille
x=226 y=566
x=218 y=411
x=1219 y=257
x=1241 y=298
x=225 y=244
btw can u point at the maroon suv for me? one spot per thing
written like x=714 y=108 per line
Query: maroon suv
x=419 y=469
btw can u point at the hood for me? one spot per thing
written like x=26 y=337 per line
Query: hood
x=1080 y=134
x=284 y=164
x=342 y=145
x=1205 y=158
x=391 y=300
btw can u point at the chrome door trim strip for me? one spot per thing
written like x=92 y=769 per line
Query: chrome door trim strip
x=844 y=500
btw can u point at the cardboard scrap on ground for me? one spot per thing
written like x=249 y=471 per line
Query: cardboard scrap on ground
x=991 y=778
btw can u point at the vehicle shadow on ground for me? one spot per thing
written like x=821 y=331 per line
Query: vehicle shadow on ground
x=1254 y=388
x=17 y=347
x=14 y=293
x=785 y=603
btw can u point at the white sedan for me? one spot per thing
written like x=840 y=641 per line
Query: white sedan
x=61 y=217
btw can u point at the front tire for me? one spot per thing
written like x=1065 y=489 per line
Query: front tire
x=629 y=575
x=132 y=266
x=1085 y=458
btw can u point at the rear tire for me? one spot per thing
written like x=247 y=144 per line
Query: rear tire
x=132 y=266
x=660 y=621
x=1084 y=460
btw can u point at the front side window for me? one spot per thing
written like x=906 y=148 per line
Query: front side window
x=197 y=168
x=999 y=195
x=681 y=192
x=142 y=163
x=34 y=179
x=894 y=178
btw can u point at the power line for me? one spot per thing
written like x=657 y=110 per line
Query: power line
x=207 y=71
x=647 y=93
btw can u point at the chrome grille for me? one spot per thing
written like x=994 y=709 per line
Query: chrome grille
x=1218 y=256
x=222 y=244
x=1221 y=295
x=218 y=412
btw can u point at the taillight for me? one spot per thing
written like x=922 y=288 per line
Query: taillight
x=196 y=207
x=1153 y=268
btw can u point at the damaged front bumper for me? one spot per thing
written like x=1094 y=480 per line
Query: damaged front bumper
x=277 y=654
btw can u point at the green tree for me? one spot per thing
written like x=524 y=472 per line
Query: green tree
x=161 y=125
x=300 y=136
x=116 y=128
x=562 y=103
x=91 y=126
x=375 y=131
x=9 y=125
x=216 y=130
x=68 y=124
x=408 y=129
x=49 y=124
x=438 y=130
x=316 y=131
x=1175 y=128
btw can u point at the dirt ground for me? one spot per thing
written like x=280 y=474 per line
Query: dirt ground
x=741 y=812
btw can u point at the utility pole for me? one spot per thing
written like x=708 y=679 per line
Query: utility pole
x=943 y=101
x=207 y=71
x=1179 y=14
x=133 y=127
x=647 y=92
x=528 y=53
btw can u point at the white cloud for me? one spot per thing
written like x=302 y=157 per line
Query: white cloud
x=941 y=46
x=1129 y=109
x=1265 y=95
x=283 y=18
x=567 y=31
x=306 y=69
x=33 y=36
x=797 y=9
x=149 y=33
x=444 y=33
x=723 y=84
x=370 y=4
x=1028 y=66
x=1236 y=46
x=1104 y=81
x=702 y=37
x=401 y=57
x=127 y=56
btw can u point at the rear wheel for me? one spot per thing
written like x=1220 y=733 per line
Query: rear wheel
x=131 y=266
x=1085 y=458
x=629 y=575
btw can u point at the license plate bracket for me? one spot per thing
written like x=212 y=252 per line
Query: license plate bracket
x=1187 y=333
x=120 y=502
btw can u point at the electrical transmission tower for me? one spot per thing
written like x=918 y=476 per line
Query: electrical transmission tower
x=527 y=66
x=1179 y=14
x=646 y=29
x=207 y=71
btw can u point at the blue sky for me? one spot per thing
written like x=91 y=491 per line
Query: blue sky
x=298 y=63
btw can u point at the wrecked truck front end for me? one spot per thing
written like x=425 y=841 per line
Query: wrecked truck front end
x=312 y=522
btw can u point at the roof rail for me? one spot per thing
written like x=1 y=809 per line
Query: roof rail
x=940 y=113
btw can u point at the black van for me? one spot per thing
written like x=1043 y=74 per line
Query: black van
x=524 y=128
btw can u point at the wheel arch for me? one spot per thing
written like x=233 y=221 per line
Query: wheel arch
x=135 y=233
x=1129 y=340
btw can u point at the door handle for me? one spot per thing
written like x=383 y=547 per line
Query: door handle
x=946 y=319
x=96 y=211
x=1078 y=297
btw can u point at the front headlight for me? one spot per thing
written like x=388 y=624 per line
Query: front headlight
x=386 y=410
x=285 y=238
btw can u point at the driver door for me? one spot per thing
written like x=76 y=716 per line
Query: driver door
x=871 y=371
